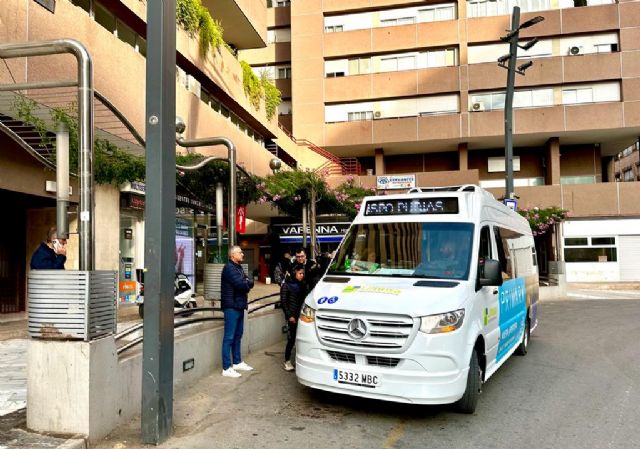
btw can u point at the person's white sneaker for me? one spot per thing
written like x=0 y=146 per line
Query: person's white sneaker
x=288 y=366
x=242 y=367
x=230 y=372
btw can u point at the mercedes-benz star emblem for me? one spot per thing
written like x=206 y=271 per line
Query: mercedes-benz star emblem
x=357 y=329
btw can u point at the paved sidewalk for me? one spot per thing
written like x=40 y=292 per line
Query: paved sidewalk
x=13 y=376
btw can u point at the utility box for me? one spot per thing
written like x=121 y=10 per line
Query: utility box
x=72 y=304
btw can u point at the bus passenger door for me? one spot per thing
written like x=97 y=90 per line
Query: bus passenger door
x=488 y=296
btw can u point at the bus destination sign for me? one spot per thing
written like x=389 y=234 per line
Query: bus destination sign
x=411 y=206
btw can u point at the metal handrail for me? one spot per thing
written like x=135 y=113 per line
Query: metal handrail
x=183 y=323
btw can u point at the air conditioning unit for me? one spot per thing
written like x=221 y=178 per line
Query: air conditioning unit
x=377 y=114
x=576 y=50
x=477 y=106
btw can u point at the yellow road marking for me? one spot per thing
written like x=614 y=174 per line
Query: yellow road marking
x=393 y=437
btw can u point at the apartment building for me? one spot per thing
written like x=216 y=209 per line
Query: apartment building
x=210 y=98
x=413 y=88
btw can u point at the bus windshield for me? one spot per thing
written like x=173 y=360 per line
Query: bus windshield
x=421 y=250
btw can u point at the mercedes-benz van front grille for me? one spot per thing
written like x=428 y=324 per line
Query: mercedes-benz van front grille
x=364 y=330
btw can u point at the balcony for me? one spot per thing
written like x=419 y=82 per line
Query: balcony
x=244 y=21
x=277 y=52
x=429 y=130
x=391 y=39
x=583 y=200
x=392 y=84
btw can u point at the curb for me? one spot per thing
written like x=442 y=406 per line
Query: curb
x=74 y=443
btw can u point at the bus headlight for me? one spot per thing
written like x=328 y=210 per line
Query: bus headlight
x=441 y=323
x=308 y=314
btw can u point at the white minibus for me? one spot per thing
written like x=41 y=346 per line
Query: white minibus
x=429 y=293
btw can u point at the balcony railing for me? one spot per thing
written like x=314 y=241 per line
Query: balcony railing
x=335 y=165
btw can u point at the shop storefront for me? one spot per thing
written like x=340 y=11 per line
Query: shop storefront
x=606 y=250
x=329 y=232
x=193 y=218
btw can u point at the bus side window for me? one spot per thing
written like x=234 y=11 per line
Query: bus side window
x=484 y=251
x=503 y=253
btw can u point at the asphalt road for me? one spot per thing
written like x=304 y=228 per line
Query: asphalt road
x=578 y=387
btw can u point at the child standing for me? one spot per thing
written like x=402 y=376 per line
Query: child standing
x=292 y=294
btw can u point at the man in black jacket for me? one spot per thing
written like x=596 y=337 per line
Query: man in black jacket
x=292 y=294
x=50 y=255
x=234 y=290
x=312 y=270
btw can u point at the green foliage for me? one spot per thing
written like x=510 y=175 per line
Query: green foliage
x=349 y=196
x=210 y=32
x=194 y=18
x=111 y=164
x=252 y=85
x=188 y=15
x=541 y=220
x=201 y=183
x=114 y=166
x=272 y=95
x=289 y=190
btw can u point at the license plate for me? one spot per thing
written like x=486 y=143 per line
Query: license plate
x=355 y=378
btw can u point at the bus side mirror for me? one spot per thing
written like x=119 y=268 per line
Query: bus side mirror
x=492 y=273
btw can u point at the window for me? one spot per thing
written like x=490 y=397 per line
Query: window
x=126 y=34
x=434 y=14
x=84 y=4
x=576 y=241
x=521 y=99
x=362 y=115
x=418 y=250
x=398 y=21
x=482 y=8
x=586 y=179
x=333 y=28
x=283 y=73
x=105 y=18
x=284 y=108
x=278 y=35
x=627 y=175
x=576 y=96
x=359 y=66
x=590 y=249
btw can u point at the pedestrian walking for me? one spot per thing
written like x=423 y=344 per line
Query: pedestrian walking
x=50 y=254
x=283 y=267
x=292 y=294
x=234 y=289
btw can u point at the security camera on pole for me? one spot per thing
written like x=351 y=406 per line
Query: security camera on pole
x=512 y=39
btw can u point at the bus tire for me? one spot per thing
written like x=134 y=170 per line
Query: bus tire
x=141 y=310
x=526 y=335
x=467 y=403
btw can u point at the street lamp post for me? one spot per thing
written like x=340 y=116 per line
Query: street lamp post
x=512 y=38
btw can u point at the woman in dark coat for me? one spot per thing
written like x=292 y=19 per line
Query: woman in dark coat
x=292 y=294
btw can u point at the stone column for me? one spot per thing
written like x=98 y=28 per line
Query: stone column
x=463 y=156
x=379 y=154
x=553 y=161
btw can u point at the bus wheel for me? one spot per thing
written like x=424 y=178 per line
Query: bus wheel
x=141 y=310
x=467 y=403
x=524 y=344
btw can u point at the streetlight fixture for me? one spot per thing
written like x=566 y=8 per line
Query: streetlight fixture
x=512 y=38
x=275 y=165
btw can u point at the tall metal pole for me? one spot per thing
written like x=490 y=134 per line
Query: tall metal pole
x=508 y=104
x=160 y=222
x=62 y=181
